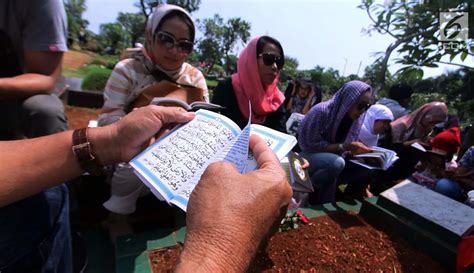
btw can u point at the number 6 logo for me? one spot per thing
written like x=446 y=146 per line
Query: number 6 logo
x=453 y=26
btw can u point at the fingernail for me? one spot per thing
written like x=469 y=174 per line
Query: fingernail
x=188 y=114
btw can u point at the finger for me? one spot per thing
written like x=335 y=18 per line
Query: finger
x=171 y=114
x=263 y=154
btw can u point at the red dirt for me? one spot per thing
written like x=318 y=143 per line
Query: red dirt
x=78 y=117
x=336 y=243
x=76 y=59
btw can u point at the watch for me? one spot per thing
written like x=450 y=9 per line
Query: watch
x=82 y=149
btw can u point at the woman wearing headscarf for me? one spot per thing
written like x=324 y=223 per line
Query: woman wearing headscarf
x=159 y=69
x=376 y=121
x=405 y=131
x=329 y=130
x=256 y=80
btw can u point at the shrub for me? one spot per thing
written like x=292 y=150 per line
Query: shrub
x=96 y=79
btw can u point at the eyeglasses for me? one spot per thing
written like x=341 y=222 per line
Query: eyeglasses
x=363 y=106
x=269 y=59
x=169 y=41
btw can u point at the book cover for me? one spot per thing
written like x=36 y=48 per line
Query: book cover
x=298 y=177
x=380 y=158
x=173 y=165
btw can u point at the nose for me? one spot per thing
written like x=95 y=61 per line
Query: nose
x=274 y=66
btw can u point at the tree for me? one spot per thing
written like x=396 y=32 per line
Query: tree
x=415 y=27
x=371 y=76
x=114 y=36
x=290 y=69
x=134 y=24
x=74 y=10
x=147 y=6
x=220 y=40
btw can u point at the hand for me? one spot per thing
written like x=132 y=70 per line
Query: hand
x=356 y=148
x=229 y=214
x=122 y=140
x=293 y=92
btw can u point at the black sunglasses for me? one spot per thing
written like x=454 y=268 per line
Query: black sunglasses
x=183 y=46
x=270 y=59
x=363 y=106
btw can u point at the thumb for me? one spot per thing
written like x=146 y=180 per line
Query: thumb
x=171 y=114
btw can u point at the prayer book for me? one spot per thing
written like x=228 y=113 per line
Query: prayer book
x=380 y=158
x=298 y=177
x=173 y=165
x=193 y=106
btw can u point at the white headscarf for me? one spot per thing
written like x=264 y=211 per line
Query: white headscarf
x=374 y=113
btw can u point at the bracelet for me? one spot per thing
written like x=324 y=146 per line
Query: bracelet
x=82 y=149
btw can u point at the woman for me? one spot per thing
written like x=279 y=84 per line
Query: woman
x=329 y=130
x=405 y=131
x=377 y=121
x=158 y=70
x=302 y=98
x=256 y=81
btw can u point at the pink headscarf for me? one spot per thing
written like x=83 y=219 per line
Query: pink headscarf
x=248 y=86
x=410 y=127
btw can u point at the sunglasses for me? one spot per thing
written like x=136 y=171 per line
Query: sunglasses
x=363 y=106
x=269 y=59
x=169 y=41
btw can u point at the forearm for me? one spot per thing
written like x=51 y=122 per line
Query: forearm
x=290 y=104
x=33 y=165
x=334 y=148
x=26 y=85
x=307 y=106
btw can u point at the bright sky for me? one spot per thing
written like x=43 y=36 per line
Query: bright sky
x=316 y=32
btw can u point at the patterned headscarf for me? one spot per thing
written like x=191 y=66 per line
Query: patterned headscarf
x=411 y=127
x=150 y=40
x=318 y=128
x=248 y=86
x=374 y=113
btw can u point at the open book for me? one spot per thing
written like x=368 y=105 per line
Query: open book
x=379 y=158
x=193 y=106
x=299 y=178
x=172 y=166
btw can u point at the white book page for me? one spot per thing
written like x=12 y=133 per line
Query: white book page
x=279 y=142
x=173 y=165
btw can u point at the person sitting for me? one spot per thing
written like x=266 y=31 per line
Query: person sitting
x=398 y=100
x=330 y=129
x=302 y=98
x=32 y=45
x=160 y=70
x=407 y=130
x=41 y=243
x=256 y=80
x=376 y=122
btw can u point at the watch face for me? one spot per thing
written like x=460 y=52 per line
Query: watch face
x=299 y=169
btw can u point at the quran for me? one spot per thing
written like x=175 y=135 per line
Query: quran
x=193 y=106
x=173 y=165
x=379 y=158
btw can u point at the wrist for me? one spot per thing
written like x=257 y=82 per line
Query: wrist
x=103 y=145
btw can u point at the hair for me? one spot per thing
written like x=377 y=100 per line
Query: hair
x=183 y=17
x=269 y=40
x=399 y=92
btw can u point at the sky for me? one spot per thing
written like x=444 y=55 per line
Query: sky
x=315 y=32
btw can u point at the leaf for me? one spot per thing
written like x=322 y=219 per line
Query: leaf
x=463 y=55
x=430 y=65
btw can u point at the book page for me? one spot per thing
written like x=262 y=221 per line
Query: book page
x=237 y=152
x=174 y=164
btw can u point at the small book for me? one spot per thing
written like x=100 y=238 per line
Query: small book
x=173 y=165
x=193 y=106
x=293 y=123
x=418 y=146
x=380 y=158
x=297 y=176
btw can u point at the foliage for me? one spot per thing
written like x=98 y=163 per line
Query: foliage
x=114 y=36
x=415 y=27
x=371 y=74
x=220 y=40
x=146 y=6
x=134 y=24
x=74 y=10
x=290 y=69
x=96 y=79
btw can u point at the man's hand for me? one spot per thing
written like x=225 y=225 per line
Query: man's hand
x=121 y=141
x=229 y=214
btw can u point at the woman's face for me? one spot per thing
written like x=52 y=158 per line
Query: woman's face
x=381 y=126
x=303 y=91
x=171 y=58
x=430 y=122
x=268 y=73
x=360 y=107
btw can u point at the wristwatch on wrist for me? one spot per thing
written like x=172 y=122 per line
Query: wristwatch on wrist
x=82 y=149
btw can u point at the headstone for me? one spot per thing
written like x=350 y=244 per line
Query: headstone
x=439 y=209
x=74 y=83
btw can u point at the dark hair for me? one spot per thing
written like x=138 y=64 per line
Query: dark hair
x=266 y=40
x=183 y=17
x=399 y=92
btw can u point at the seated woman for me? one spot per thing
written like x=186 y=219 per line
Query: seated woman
x=377 y=121
x=330 y=129
x=414 y=127
x=256 y=80
x=158 y=70
x=302 y=97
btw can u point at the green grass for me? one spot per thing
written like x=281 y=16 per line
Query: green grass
x=83 y=71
